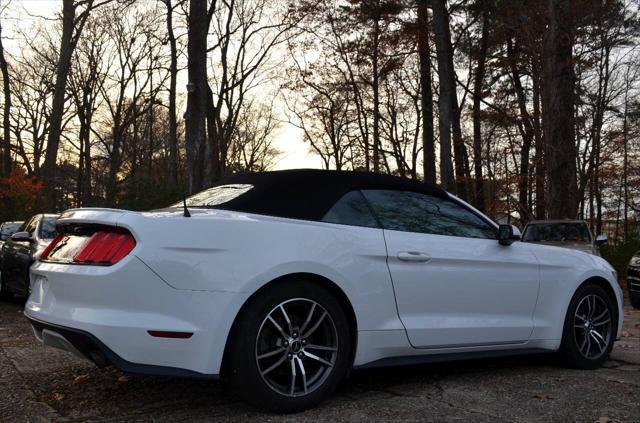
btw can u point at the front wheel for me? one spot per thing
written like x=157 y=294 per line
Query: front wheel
x=290 y=349
x=589 y=328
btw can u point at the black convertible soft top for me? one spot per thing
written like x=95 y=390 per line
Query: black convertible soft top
x=309 y=193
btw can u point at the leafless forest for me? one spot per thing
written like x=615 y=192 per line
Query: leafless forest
x=525 y=108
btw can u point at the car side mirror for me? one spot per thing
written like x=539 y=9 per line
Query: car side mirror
x=508 y=234
x=601 y=239
x=21 y=236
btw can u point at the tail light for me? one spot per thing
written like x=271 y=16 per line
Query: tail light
x=104 y=246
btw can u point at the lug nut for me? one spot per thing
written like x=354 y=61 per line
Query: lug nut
x=304 y=342
x=295 y=334
x=286 y=343
x=289 y=356
x=300 y=355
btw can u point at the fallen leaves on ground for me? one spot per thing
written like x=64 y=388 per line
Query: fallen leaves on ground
x=543 y=396
x=81 y=379
x=57 y=396
x=123 y=379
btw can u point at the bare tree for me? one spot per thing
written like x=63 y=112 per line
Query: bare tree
x=252 y=148
x=247 y=33
x=86 y=82
x=128 y=91
x=74 y=16
x=173 y=122
x=481 y=59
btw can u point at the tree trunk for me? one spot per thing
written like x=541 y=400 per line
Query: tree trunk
x=477 y=120
x=559 y=128
x=376 y=90
x=6 y=113
x=625 y=162
x=426 y=94
x=213 y=138
x=173 y=75
x=57 y=106
x=86 y=185
x=197 y=89
x=447 y=90
x=540 y=210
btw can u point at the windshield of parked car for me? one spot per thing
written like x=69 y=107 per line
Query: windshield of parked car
x=8 y=229
x=557 y=232
x=216 y=195
x=48 y=228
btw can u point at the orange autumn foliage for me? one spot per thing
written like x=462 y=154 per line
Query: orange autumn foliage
x=18 y=195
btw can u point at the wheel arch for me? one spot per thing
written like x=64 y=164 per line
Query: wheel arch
x=313 y=278
x=606 y=286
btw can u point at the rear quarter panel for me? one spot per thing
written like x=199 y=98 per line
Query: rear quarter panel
x=217 y=250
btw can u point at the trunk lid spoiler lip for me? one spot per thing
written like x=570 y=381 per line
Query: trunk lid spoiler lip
x=103 y=216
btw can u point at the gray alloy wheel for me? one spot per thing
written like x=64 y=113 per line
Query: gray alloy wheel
x=592 y=325
x=296 y=347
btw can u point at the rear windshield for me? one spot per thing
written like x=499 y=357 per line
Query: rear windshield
x=216 y=195
x=8 y=229
x=557 y=232
x=48 y=228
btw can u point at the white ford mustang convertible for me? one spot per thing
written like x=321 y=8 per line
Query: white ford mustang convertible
x=281 y=282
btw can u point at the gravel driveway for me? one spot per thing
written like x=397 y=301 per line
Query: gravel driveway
x=44 y=384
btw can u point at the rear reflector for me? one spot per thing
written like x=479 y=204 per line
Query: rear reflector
x=106 y=246
x=165 y=334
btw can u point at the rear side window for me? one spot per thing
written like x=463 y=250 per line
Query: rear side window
x=215 y=196
x=415 y=212
x=351 y=209
x=47 y=228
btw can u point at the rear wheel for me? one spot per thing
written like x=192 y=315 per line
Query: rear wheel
x=589 y=329
x=290 y=349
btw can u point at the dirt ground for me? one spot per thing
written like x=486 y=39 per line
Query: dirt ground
x=44 y=384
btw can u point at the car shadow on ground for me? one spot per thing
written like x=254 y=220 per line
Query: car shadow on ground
x=499 y=389
x=90 y=392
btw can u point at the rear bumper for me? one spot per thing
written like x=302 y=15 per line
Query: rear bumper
x=87 y=346
x=105 y=313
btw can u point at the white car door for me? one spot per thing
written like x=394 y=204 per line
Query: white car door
x=455 y=285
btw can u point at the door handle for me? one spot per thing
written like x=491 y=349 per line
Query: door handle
x=413 y=256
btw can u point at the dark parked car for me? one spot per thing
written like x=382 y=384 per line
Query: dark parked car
x=574 y=234
x=633 y=280
x=21 y=250
x=7 y=229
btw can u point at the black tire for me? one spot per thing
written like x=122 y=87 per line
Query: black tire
x=634 y=299
x=575 y=337
x=4 y=294
x=241 y=366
